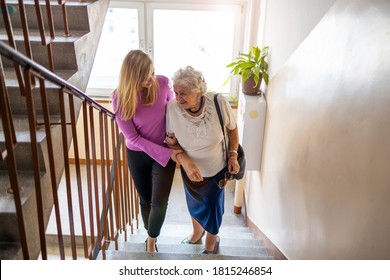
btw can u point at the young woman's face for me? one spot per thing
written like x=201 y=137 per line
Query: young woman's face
x=185 y=98
x=149 y=81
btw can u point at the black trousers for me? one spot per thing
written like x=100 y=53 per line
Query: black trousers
x=153 y=183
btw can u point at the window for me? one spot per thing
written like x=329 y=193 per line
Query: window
x=121 y=33
x=175 y=35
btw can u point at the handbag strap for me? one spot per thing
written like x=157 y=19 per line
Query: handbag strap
x=221 y=123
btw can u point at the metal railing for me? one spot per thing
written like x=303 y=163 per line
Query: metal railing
x=103 y=196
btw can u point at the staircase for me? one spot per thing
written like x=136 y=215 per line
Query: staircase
x=237 y=243
x=236 y=240
x=73 y=59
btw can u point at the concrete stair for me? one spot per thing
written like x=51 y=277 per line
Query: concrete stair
x=73 y=60
x=76 y=10
x=236 y=240
x=236 y=243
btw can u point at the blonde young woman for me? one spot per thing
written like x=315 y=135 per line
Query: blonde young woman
x=192 y=123
x=140 y=102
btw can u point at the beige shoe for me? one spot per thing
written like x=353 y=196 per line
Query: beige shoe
x=187 y=241
x=216 y=248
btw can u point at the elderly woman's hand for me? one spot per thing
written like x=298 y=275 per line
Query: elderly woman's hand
x=233 y=165
x=190 y=167
x=193 y=172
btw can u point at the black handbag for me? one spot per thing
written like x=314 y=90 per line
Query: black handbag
x=241 y=154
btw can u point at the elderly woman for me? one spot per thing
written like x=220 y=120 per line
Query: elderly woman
x=194 y=127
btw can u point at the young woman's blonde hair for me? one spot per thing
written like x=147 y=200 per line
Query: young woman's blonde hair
x=136 y=68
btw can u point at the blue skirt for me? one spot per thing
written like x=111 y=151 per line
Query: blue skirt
x=205 y=200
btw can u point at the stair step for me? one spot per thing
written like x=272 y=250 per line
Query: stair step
x=187 y=228
x=63 y=49
x=8 y=221
x=178 y=248
x=73 y=60
x=35 y=36
x=77 y=12
x=53 y=253
x=121 y=255
x=10 y=251
x=182 y=233
x=163 y=239
x=18 y=102
x=21 y=126
x=12 y=81
x=7 y=204
x=23 y=148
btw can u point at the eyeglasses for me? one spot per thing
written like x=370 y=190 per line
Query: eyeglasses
x=222 y=183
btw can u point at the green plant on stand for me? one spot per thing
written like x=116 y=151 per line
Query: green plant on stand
x=252 y=67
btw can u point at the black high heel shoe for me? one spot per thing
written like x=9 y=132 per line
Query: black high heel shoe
x=146 y=245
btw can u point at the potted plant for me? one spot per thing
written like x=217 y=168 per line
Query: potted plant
x=252 y=67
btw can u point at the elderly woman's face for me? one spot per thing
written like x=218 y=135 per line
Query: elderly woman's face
x=185 y=98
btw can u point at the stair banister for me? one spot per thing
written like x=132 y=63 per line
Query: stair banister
x=115 y=214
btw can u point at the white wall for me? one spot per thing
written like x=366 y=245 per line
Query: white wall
x=285 y=24
x=324 y=188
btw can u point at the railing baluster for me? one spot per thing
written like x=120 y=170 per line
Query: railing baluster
x=46 y=116
x=123 y=191
x=118 y=180
x=11 y=42
x=128 y=187
x=32 y=118
x=89 y=178
x=78 y=171
x=44 y=42
x=50 y=21
x=41 y=26
x=108 y=189
x=110 y=200
x=103 y=221
x=67 y=171
x=64 y=17
x=115 y=183
x=95 y=174
x=9 y=155
x=23 y=19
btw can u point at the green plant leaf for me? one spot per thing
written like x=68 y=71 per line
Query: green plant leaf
x=251 y=64
x=235 y=100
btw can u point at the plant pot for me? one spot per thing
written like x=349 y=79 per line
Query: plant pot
x=249 y=88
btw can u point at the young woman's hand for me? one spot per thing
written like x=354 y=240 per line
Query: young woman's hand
x=171 y=139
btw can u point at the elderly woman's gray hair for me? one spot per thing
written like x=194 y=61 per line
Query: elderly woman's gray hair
x=190 y=78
